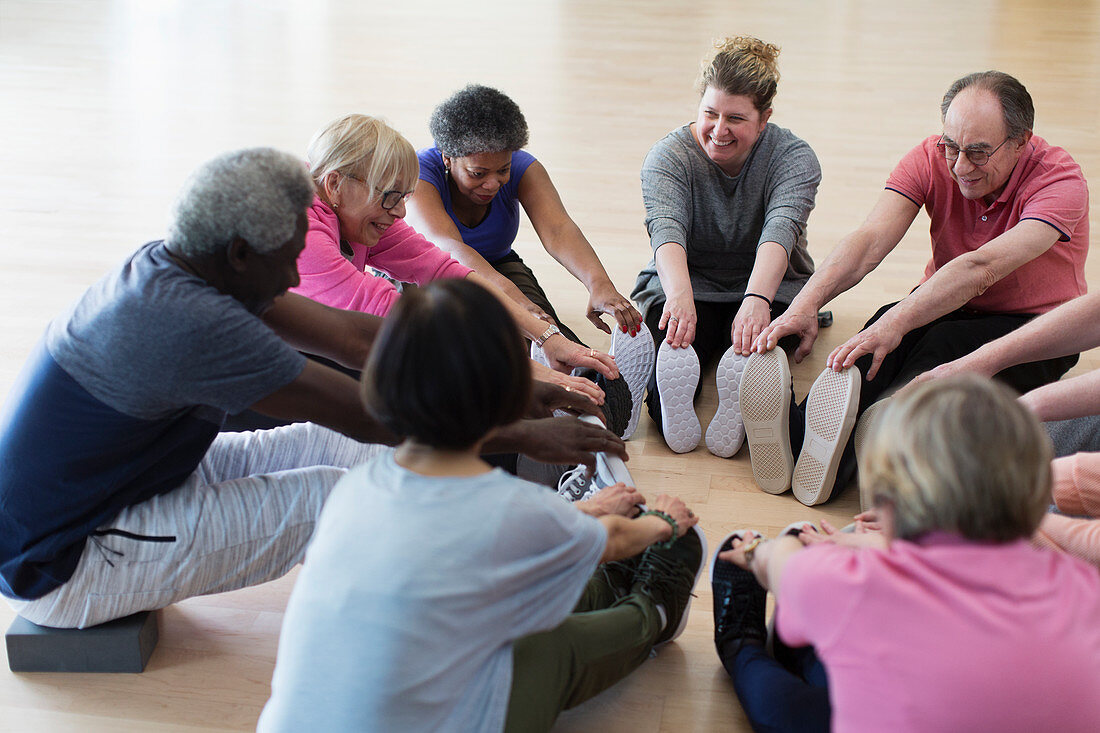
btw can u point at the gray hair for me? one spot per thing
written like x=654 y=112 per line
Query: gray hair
x=366 y=148
x=1016 y=104
x=255 y=194
x=478 y=119
x=959 y=455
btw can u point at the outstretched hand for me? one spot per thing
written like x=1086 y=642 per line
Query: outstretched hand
x=577 y=385
x=547 y=397
x=564 y=356
x=611 y=302
x=803 y=325
x=676 y=508
x=878 y=339
x=567 y=440
x=615 y=499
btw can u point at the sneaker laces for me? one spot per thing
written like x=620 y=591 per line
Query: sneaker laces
x=574 y=485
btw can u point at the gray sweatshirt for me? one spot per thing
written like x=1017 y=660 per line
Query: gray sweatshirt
x=720 y=220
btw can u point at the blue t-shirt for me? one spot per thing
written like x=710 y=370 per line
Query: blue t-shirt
x=119 y=403
x=412 y=592
x=493 y=236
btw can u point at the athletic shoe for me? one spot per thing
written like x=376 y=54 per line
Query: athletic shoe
x=739 y=601
x=617 y=402
x=635 y=357
x=619 y=574
x=830 y=415
x=577 y=485
x=765 y=397
x=865 y=427
x=677 y=378
x=726 y=431
x=668 y=577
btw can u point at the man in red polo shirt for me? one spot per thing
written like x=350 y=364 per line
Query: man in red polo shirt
x=1010 y=232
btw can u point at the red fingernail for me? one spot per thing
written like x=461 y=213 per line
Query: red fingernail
x=624 y=329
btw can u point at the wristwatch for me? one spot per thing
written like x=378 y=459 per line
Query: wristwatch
x=550 y=331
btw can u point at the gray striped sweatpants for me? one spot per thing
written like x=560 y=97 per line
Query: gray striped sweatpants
x=243 y=517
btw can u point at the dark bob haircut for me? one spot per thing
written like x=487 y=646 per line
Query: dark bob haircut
x=447 y=367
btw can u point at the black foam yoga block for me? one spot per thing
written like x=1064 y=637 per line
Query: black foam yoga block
x=122 y=645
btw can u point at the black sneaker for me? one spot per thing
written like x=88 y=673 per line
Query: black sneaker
x=619 y=574
x=668 y=577
x=617 y=400
x=739 y=602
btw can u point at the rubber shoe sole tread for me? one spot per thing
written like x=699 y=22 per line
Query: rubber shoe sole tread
x=726 y=432
x=830 y=416
x=635 y=357
x=765 y=397
x=677 y=378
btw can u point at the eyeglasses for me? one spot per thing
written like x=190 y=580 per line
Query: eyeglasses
x=976 y=156
x=390 y=199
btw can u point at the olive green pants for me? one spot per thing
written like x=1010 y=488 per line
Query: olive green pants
x=603 y=640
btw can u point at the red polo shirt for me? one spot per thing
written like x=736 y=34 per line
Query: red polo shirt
x=1046 y=185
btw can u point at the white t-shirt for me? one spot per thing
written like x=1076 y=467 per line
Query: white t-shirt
x=411 y=595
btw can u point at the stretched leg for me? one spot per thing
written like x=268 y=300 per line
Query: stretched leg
x=513 y=268
x=773 y=697
x=243 y=517
x=586 y=654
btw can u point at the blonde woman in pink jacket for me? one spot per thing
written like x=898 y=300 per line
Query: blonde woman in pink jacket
x=364 y=171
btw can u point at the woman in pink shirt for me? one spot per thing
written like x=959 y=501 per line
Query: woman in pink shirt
x=947 y=620
x=364 y=171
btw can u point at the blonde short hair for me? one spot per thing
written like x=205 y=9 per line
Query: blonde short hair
x=366 y=148
x=743 y=66
x=959 y=455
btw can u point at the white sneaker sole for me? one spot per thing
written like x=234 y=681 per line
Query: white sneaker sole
x=635 y=356
x=765 y=397
x=726 y=432
x=677 y=378
x=865 y=427
x=830 y=415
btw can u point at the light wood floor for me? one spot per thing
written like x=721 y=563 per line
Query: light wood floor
x=105 y=107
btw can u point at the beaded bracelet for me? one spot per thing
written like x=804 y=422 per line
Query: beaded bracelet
x=658 y=513
x=757 y=295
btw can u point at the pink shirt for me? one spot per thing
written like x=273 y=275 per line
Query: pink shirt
x=1046 y=185
x=949 y=635
x=330 y=277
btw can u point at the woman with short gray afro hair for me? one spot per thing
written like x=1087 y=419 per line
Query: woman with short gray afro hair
x=255 y=194
x=472 y=184
x=478 y=119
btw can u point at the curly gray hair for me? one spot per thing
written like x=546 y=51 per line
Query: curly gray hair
x=478 y=119
x=255 y=194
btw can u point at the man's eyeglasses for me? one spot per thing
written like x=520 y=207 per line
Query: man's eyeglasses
x=390 y=199
x=977 y=156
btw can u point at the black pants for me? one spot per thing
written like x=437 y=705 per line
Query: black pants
x=714 y=323
x=945 y=339
x=513 y=268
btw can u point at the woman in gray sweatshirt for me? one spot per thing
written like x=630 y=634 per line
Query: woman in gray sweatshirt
x=727 y=198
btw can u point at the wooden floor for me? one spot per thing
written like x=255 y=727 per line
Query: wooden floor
x=105 y=107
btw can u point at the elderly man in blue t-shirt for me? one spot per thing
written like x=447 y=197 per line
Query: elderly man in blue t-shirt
x=117 y=493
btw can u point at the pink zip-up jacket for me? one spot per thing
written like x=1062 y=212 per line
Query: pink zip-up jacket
x=331 y=277
x=1076 y=491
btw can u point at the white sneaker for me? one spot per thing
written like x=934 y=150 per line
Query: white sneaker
x=726 y=432
x=635 y=357
x=575 y=485
x=830 y=415
x=765 y=397
x=677 y=378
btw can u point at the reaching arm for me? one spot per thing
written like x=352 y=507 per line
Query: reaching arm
x=1070 y=328
x=565 y=242
x=769 y=560
x=1066 y=399
x=627 y=537
x=341 y=335
x=678 y=318
x=854 y=257
x=428 y=216
x=327 y=397
x=950 y=288
x=754 y=315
